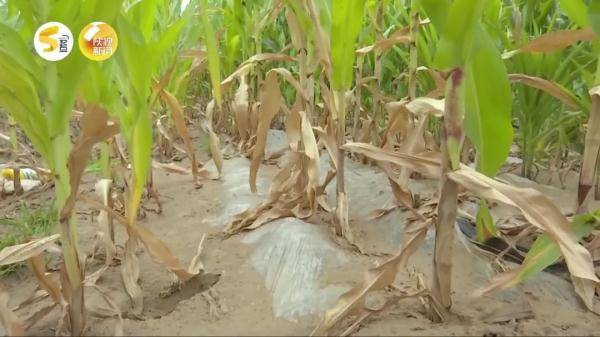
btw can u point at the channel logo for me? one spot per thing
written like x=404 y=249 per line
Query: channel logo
x=98 y=41
x=53 y=41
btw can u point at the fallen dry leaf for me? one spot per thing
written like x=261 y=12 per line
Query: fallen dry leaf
x=353 y=302
x=25 y=251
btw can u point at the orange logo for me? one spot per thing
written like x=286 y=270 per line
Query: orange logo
x=98 y=41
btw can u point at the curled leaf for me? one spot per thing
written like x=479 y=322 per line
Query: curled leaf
x=270 y=103
x=179 y=121
x=549 y=87
x=557 y=40
x=25 y=251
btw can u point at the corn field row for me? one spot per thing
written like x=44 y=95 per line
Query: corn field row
x=434 y=89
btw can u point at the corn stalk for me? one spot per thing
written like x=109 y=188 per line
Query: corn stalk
x=347 y=17
x=477 y=75
x=452 y=136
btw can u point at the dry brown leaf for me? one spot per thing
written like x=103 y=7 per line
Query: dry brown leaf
x=538 y=210
x=268 y=216
x=427 y=166
x=171 y=168
x=243 y=69
x=293 y=126
x=240 y=108
x=247 y=65
x=287 y=75
x=25 y=251
x=270 y=57
x=165 y=78
x=215 y=151
x=196 y=266
x=165 y=133
x=367 y=130
x=375 y=214
x=535 y=207
x=157 y=248
x=557 y=40
x=398 y=122
x=271 y=101
x=423 y=106
x=402 y=35
x=95 y=127
x=130 y=273
x=328 y=140
x=444 y=239
x=296 y=35
x=161 y=253
x=105 y=230
x=548 y=87
x=213 y=139
x=365 y=80
x=179 y=121
x=38 y=268
x=591 y=153
x=8 y=319
x=353 y=302
x=343 y=225
x=311 y=150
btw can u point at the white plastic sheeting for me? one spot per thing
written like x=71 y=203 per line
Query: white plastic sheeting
x=292 y=256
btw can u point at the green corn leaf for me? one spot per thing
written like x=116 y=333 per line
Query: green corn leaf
x=212 y=50
x=28 y=16
x=576 y=10
x=141 y=156
x=34 y=127
x=16 y=81
x=131 y=46
x=346 y=25
x=457 y=36
x=488 y=119
x=594 y=15
x=13 y=46
x=437 y=11
x=103 y=11
x=544 y=251
x=63 y=80
x=164 y=46
x=144 y=14
x=484 y=225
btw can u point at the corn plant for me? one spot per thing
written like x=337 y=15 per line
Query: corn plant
x=440 y=88
x=40 y=97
